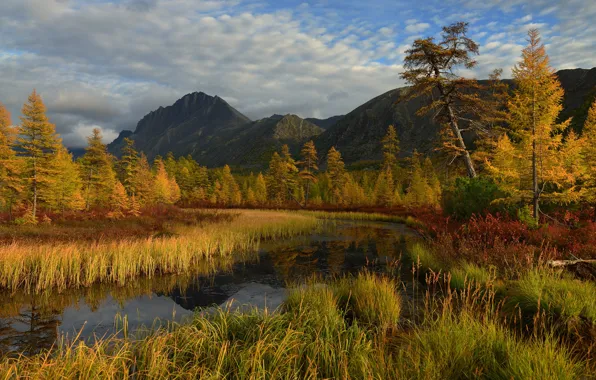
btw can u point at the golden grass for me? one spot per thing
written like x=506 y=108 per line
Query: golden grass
x=35 y=268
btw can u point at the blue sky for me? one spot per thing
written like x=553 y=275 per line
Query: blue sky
x=100 y=63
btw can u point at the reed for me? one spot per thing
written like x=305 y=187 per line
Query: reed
x=34 y=268
x=364 y=216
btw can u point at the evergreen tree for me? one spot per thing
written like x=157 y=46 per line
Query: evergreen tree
x=336 y=172
x=390 y=145
x=98 y=173
x=309 y=167
x=10 y=166
x=38 y=144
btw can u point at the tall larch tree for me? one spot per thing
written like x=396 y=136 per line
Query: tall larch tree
x=589 y=153
x=336 y=172
x=141 y=181
x=260 y=190
x=10 y=168
x=66 y=191
x=97 y=172
x=291 y=179
x=534 y=109
x=161 y=191
x=430 y=67
x=308 y=167
x=38 y=143
x=127 y=166
x=390 y=145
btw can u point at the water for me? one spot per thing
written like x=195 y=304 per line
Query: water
x=31 y=323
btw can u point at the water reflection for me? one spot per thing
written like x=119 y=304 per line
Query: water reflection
x=29 y=323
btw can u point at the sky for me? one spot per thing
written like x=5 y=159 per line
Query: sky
x=107 y=63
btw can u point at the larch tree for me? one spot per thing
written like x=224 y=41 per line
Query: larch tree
x=38 y=143
x=142 y=181
x=336 y=172
x=67 y=187
x=429 y=69
x=291 y=179
x=534 y=109
x=10 y=168
x=127 y=166
x=161 y=184
x=97 y=172
x=589 y=154
x=308 y=165
x=276 y=176
x=260 y=190
x=230 y=190
x=119 y=201
x=390 y=145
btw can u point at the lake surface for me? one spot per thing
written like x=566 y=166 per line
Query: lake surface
x=31 y=323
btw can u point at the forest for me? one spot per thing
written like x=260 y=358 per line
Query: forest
x=504 y=211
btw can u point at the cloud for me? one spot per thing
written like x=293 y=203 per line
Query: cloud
x=108 y=63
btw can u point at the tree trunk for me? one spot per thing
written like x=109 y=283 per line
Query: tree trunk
x=34 y=188
x=460 y=140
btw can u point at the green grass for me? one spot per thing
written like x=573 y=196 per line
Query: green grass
x=464 y=346
x=316 y=334
x=554 y=293
x=468 y=273
x=364 y=216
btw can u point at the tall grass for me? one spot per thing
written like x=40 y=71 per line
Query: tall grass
x=364 y=216
x=315 y=335
x=37 y=267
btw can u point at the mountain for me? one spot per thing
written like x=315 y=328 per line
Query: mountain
x=325 y=123
x=358 y=134
x=215 y=133
x=254 y=145
x=193 y=125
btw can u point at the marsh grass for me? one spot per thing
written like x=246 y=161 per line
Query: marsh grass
x=313 y=336
x=364 y=216
x=39 y=267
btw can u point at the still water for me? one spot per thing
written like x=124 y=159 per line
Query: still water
x=31 y=323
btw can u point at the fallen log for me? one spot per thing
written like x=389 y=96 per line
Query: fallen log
x=564 y=263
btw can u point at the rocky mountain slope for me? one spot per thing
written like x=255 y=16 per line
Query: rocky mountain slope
x=215 y=133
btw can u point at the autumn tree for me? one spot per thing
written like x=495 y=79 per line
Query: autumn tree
x=534 y=109
x=66 y=189
x=98 y=173
x=275 y=179
x=589 y=153
x=336 y=172
x=119 y=201
x=142 y=181
x=430 y=69
x=164 y=187
x=260 y=190
x=308 y=165
x=37 y=143
x=390 y=145
x=10 y=168
x=230 y=191
x=127 y=166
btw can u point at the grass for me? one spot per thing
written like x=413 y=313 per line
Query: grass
x=34 y=267
x=314 y=335
x=364 y=216
x=554 y=293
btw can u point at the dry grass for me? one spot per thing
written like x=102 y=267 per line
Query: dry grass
x=38 y=267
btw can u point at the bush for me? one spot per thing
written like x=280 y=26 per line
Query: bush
x=470 y=196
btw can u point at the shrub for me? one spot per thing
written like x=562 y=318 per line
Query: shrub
x=471 y=196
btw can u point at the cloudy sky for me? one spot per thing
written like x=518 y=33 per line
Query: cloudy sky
x=106 y=63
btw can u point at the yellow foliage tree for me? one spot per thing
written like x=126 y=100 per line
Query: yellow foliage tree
x=10 y=166
x=119 y=201
x=99 y=177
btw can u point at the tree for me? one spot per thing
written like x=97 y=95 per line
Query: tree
x=336 y=172
x=10 y=168
x=390 y=145
x=66 y=189
x=128 y=166
x=98 y=173
x=534 y=108
x=430 y=69
x=260 y=190
x=162 y=189
x=119 y=201
x=275 y=179
x=589 y=153
x=309 y=167
x=291 y=172
x=229 y=188
x=38 y=144
x=383 y=192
